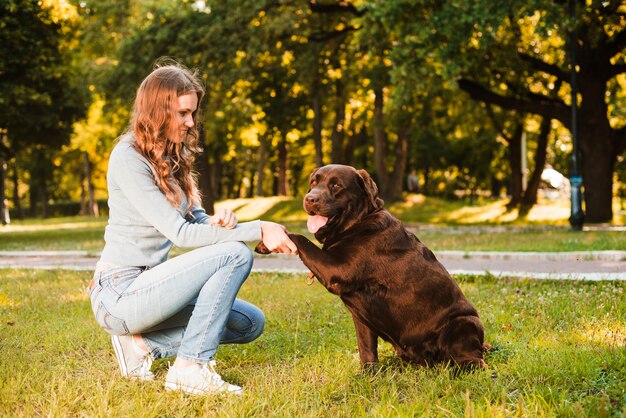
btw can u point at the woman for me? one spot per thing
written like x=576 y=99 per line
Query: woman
x=185 y=306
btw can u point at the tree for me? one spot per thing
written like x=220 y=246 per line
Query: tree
x=515 y=53
x=40 y=91
x=92 y=139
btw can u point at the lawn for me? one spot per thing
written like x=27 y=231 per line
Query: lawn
x=560 y=350
x=559 y=347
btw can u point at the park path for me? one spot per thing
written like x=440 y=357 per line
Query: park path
x=581 y=265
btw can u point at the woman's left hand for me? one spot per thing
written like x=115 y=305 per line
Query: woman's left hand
x=224 y=217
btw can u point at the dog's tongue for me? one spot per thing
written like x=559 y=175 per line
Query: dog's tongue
x=315 y=222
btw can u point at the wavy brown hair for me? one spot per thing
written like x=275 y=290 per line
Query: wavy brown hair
x=154 y=112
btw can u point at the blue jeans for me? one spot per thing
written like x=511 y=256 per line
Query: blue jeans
x=185 y=306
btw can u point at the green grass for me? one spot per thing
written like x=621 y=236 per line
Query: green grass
x=560 y=350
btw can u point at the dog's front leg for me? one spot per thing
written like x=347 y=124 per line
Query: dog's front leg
x=323 y=265
x=367 y=341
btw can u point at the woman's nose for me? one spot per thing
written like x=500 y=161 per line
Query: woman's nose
x=189 y=122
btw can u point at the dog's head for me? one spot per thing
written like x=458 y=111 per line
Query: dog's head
x=339 y=196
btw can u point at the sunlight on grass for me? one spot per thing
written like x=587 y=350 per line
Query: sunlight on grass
x=6 y=302
x=100 y=222
x=248 y=209
x=609 y=334
x=494 y=212
x=550 y=211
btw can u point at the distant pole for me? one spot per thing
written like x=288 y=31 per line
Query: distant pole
x=577 y=216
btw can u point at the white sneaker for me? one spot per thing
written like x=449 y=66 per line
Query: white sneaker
x=134 y=363
x=199 y=380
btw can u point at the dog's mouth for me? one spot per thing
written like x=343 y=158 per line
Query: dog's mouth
x=315 y=222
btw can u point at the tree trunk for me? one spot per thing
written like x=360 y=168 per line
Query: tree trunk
x=230 y=179
x=17 y=203
x=530 y=194
x=598 y=142
x=597 y=172
x=394 y=192
x=5 y=219
x=515 y=156
x=92 y=205
x=426 y=189
x=338 y=135
x=32 y=197
x=83 y=194
x=260 y=167
x=317 y=125
x=43 y=190
x=380 y=143
x=283 y=182
x=205 y=182
x=250 y=191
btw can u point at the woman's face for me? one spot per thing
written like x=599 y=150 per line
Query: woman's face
x=183 y=117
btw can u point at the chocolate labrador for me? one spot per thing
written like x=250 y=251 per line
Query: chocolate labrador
x=392 y=284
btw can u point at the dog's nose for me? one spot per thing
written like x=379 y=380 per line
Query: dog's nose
x=310 y=199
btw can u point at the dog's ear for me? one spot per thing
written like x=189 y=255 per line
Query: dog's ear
x=312 y=175
x=371 y=190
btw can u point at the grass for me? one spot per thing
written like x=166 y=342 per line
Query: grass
x=560 y=350
x=440 y=224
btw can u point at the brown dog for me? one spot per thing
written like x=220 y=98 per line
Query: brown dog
x=392 y=284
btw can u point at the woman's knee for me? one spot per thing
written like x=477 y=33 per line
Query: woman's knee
x=244 y=252
x=259 y=323
x=245 y=323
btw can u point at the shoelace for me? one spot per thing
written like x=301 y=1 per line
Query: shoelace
x=209 y=370
x=144 y=369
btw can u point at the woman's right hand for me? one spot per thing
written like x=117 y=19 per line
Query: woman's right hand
x=275 y=238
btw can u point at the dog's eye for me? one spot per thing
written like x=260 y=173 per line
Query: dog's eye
x=335 y=186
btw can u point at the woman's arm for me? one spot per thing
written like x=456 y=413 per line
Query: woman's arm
x=133 y=175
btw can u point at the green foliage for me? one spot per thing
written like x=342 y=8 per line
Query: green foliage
x=266 y=63
x=40 y=95
x=558 y=352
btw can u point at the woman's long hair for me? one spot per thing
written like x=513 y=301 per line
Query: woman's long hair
x=154 y=114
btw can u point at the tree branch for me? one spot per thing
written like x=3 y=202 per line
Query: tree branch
x=620 y=141
x=325 y=36
x=616 y=44
x=341 y=6
x=616 y=69
x=541 y=105
x=541 y=65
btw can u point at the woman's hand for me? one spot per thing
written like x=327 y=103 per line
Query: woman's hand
x=224 y=217
x=275 y=238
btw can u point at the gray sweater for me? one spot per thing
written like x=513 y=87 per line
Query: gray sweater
x=143 y=226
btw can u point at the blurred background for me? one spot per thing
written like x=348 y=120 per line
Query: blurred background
x=455 y=99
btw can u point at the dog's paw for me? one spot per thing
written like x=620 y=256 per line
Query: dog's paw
x=261 y=248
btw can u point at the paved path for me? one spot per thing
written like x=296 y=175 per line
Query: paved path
x=595 y=265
